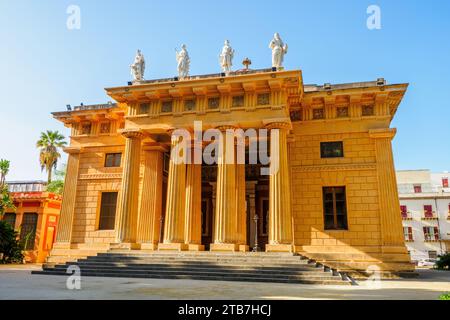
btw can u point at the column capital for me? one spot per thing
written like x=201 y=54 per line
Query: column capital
x=72 y=150
x=382 y=133
x=224 y=127
x=131 y=133
x=155 y=146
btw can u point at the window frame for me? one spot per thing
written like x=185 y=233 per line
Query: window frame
x=335 y=215
x=31 y=244
x=99 y=210
x=324 y=156
x=114 y=161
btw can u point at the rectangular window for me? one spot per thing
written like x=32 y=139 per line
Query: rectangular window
x=428 y=211
x=445 y=182
x=113 y=159
x=28 y=230
x=404 y=211
x=318 y=113
x=432 y=254
x=263 y=99
x=431 y=233
x=166 y=106
x=213 y=103
x=144 y=108
x=333 y=149
x=407 y=233
x=238 y=101
x=189 y=105
x=342 y=112
x=105 y=127
x=108 y=211
x=86 y=128
x=334 y=208
x=418 y=188
x=296 y=115
x=10 y=218
x=367 y=110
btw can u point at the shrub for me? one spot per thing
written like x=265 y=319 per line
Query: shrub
x=443 y=262
x=10 y=248
x=445 y=296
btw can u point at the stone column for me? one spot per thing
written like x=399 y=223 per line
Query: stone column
x=127 y=213
x=151 y=199
x=225 y=209
x=390 y=219
x=174 y=238
x=280 y=214
x=241 y=210
x=193 y=210
x=65 y=224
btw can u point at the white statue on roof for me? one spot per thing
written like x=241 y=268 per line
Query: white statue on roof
x=138 y=67
x=183 y=62
x=279 y=49
x=226 y=57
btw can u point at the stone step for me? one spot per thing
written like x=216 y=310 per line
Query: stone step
x=235 y=268
x=200 y=259
x=307 y=274
x=201 y=276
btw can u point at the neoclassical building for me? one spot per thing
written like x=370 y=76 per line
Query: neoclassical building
x=333 y=198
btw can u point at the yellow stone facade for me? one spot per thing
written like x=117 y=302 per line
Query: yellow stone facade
x=163 y=205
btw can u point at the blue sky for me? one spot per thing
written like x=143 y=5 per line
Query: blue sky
x=44 y=66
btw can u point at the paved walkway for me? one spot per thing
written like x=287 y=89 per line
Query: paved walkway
x=16 y=282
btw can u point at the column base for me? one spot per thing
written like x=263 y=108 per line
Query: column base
x=173 y=246
x=125 y=246
x=279 y=248
x=224 y=247
x=244 y=248
x=149 y=246
x=196 y=247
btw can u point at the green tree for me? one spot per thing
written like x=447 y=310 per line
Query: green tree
x=6 y=200
x=49 y=144
x=57 y=183
x=10 y=247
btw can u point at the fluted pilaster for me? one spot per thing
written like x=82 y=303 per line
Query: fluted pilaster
x=65 y=224
x=280 y=214
x=390 y=219
x=127 y=212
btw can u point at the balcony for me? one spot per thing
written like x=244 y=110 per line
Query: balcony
x=432 y=238
x=406 y=216
x=429 y=215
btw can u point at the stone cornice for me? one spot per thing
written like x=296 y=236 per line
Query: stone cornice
x=73 y=150
x=131 y=133
x=388 y=133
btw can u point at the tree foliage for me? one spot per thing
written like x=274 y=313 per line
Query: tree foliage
x=6 y=201
x=57 y=183
x=443 y=262
x=49 y=144
x=10 y=247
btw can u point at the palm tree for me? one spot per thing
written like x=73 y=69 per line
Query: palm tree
x=4 y=169
x=49 y=144
x=6 y=200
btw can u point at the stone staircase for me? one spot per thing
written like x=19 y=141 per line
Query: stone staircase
x=239 y=266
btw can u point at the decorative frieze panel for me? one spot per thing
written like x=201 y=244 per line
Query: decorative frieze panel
x=335 y=167
x=100 y=176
